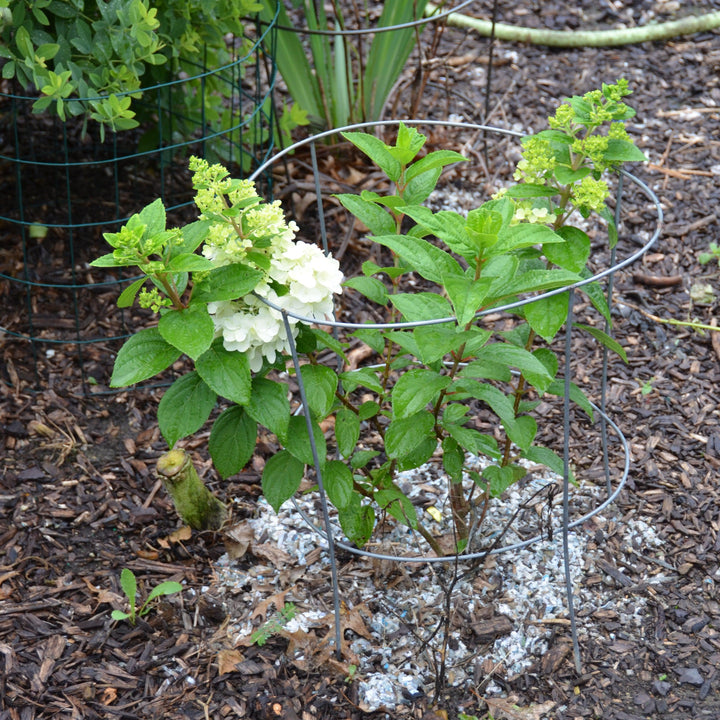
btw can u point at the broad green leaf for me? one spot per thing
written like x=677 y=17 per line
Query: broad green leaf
x=185 y=407
x=324 y=339
x=191 y=331
x=422 y=306
x=361 y=377
x=227 y=372
x=565 y=175
x=371 y=337
x=446 y=225
x=415 y=389
x=467 y=295
x=403 y=435
x=419 y=455
x=153 y=217
x=604 y=339
x=297 y=440
x=128 y=583
x=547 y=315
x=189 y=262
x=426 y=259
x=368 y=409
x=269 y=405
x=406 y=341
x=483 y=227
x=362 y=457
x=357 y=521
x=557 y=387
x=474 y=441
x=509 y=355
x=377 y=151
x=375 y=218
x=370 y=287
x=539 y=281
x=436 y=341
x=347 y=431
x=522 y=431
x=523 y=235
x=436 y=159
x=597 y=297
x=394 y=502
x=453 y=458
x=548 y=458
x=232 y=441
x=419 y=188
x=623 y=151
x=408 y=144
x=281 y=478
x=338 y=483
x=529 y=190
x=193 y=235
x=169 y=587
x=127 y=296
x=143 y=356
x=320 y=385
x=571 y=255
x=499 y=479
x=228 y=282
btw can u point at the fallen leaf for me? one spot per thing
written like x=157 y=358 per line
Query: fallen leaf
x=237 y=539
x=277 y=600
x=227 y=661
x=506 y=709
x=267 y=551
x=109 y=696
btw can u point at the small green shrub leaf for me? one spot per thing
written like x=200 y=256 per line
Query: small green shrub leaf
x=320 y=385
x=185 y=407
x=269 y=405
x=281 y=478
x=232 y=441
x=347 y=431
x=226 y=372
x=143 y=356
x=191 y=330
x=415 y=389
x=338 y=483
x=403 y=435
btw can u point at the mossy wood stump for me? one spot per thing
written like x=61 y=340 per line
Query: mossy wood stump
x=194 y=503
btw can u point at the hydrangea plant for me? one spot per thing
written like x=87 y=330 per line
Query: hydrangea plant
x=225 y=308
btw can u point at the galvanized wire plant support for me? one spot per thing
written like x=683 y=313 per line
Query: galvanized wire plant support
x=606 y=422
x=62 y=186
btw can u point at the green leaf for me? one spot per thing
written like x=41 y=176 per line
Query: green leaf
x=361 y=377
x=143 y=356
x=530 y=190
x=499 y=479
x=419 y=188
x=127 y=296
x=232 y=441
x=347 y=431
x=377 y=151
x=426 y=259
x=269 y=405
x=397 y=504
x=169 y=587
x=474 y=441
x=297 y=440
x=422 y=306
x=419 y=455
x=557 y=387
x=433 y=160
x=228 y=282
x=436 y=341
x=128 y=583
x=191 y=331
x=227 y=372
x=597 y=297
x=338 y=483
x=446 y=225
x=453 y=459
x=320 y=385
x=281 y=478
x=189 y=262
x=185 y=407
x=604 y=339
x=547 y=315
x=153 y=217
x=571 y=255
x=357 y=521
x=547 y=457
x=375 y=218
x=403 y=435
x=623 y=151
x=371 y=288
x=466 y=295
x=565 y=175
x=523 y=235
x=415 y=389
x=506 y=354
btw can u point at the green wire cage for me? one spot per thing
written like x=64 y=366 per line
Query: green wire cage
x=65 y=183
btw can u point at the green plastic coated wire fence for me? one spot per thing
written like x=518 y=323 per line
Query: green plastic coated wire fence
x=62 y=186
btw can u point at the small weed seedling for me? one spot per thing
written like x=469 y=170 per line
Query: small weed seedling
x=274 y=624
x=128 y=583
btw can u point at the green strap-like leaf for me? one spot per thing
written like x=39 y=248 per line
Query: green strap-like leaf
x=143 y=356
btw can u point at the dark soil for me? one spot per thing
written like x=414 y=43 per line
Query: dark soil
x=79 y=501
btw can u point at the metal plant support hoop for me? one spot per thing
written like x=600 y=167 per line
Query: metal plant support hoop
x=615 y=264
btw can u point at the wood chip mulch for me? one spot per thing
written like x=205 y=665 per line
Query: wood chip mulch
x=78 y=499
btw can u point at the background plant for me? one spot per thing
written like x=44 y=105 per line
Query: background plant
x=92 y=59
x=415 y=399
x=128 y=583
x=345 y=82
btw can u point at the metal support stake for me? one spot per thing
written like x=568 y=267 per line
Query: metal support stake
x=323 y=497
x=566 y=480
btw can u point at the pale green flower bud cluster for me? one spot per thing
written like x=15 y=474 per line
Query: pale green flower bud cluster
x=153 y=300
x=538 y=161
x=591 y=194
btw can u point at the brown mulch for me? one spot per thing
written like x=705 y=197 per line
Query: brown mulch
x=79 y=501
